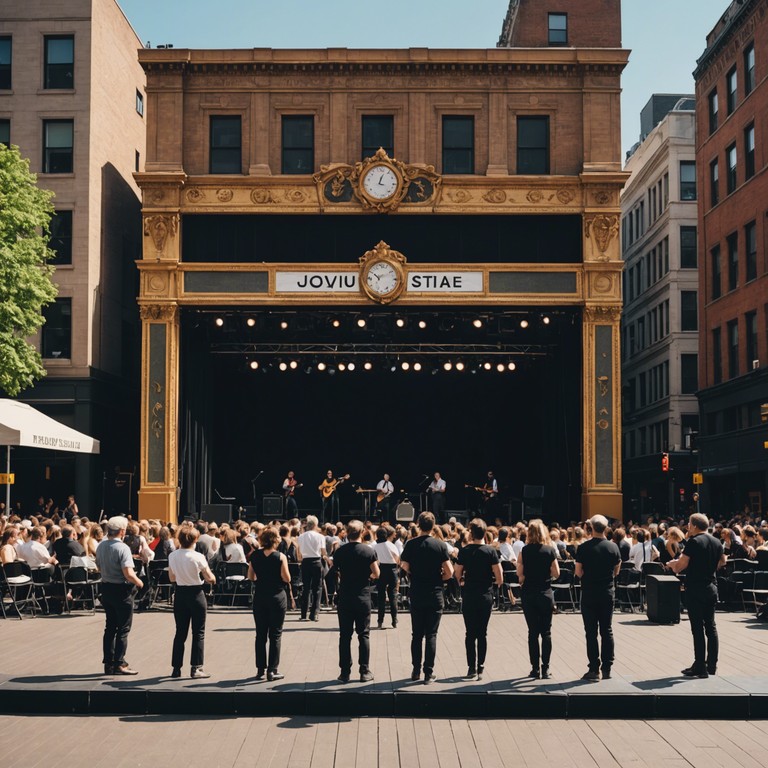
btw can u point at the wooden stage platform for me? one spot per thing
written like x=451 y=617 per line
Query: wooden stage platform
x=52 y=665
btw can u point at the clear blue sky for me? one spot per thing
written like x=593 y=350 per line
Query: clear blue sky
x=665 y=36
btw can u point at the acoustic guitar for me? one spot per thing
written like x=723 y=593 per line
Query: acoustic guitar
x=487 y=492
x=380 y=495
x=289 y=491
x=329 y=488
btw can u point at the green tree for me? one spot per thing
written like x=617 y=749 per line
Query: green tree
x=25 y=275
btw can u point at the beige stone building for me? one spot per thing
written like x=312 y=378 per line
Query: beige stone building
x=72 y=98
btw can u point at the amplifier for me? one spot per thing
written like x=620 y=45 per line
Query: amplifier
x=663 y=596
x=216 y=513
x=271 y=506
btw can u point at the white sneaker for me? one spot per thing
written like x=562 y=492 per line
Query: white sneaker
x=199 y=673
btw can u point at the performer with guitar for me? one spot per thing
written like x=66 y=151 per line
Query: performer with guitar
x=290 y=485
x=384 y=489
x=437 y=489
x=330 y=500
x=490 y=499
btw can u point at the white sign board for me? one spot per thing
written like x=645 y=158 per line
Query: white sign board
x=348 y=282
x=445 y=282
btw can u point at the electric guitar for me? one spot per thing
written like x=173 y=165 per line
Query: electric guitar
x=327 y=489
x=487 y=492
x=289 y=491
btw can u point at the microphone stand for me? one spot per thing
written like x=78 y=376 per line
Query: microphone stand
x=423 y=494
x=253 y=485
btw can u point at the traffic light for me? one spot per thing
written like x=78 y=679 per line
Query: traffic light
x=665 y=462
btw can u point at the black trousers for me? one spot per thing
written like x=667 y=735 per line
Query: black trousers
x=312 y=578
x=597 y=614
x=189 y=606
x=354 y=616
x=291 y=507
x=269 y=616
x=476 y=610
x=438 y=506
x=386 y=586
x=537 y=609
x=426 y=613
x=700 y=603
x=117 y=600
x=329 y=510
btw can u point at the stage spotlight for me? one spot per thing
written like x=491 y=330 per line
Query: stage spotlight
x=361 y=322
x=219 y=321
x=367 y=365
x=284 y=324
x=406 y=365
x=422 y=324
x=546 y=320
x=459 y=366
x=511 y=366
x=417 y=366
x=283 y=366
x=342 y=367
x=448 y=365
x=250 y=322
x=293 y=365
x=487 y=366
x=500 y=368
x=331 y=371
x=254 y=365
x=393 y=368
x=477 y=322
x=351 y=367
x=308 y=369
x=321 y=366
x=336 y=323
x=400 y=323
x=523 y=323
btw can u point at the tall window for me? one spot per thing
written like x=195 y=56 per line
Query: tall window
x=688 y=248
x=688 y=311
x=378 y=131
x=59 y=61
x=750 y=248
x=226 y=144
x=731 y=88
x=458 y=144
x=5 y=132
x=731 y=158
x=533 y=145
x=298 y=144
x=749 y=69
x=717 y=355
x=689 y=374
x=558 y=29
x=714 y=183
x=733 y=349
x=58 y=141
x=713 y=109
x=733 y=261
x=140 y=103
x=61 y=237
x=750 y=339
x=749 y=151
x=717 y=280
x=5 y=63
x=56 y=334
x=687 y=180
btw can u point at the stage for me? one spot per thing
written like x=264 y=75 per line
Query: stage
x=51 y=665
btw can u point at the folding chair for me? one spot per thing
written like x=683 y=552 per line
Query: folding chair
x=235 y=578
x=159 y=582
x=758 y=591
x=510 y=591
x=564 y=585
x=297 y=585
x=81 y=586
x=16 y=577
x=628 y=589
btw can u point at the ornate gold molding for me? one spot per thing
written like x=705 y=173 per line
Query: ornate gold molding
x=159 y=312
x=602 y=313
x=159 y=227
x=602 y=229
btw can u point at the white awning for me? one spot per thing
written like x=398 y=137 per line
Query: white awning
x=21 y=424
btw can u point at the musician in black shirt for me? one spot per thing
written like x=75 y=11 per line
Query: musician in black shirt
x=479 y=565
x=426 y=561
x=536 y=567
x=702 y=556
x=356 y=564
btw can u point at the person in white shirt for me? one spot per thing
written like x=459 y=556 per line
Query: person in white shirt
x=643 y=551
x=208 y=540
x=311 y=545
x=187 y=568
x=519 y=542
x=385 y=487
x=437 y=489
x=506 y=550
x=34 y=551
x=389 y=560
x=231 y=550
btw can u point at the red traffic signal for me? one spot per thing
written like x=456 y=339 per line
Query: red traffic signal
x=665 y=462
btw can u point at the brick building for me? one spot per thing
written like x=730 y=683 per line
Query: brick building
x=732 y=115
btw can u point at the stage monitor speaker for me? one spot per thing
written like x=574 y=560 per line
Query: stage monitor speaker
x=663 y=596
x=250 y=514
x=404 y=512
x=533 y=492
x=216 y=513
x=272 y=506
x=461 y=515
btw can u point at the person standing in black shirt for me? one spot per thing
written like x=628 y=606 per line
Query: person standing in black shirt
x=702 y=556
x=426 y=561
x=597 y=563
x=536 y=567
x=479 y=565
x=356 y=564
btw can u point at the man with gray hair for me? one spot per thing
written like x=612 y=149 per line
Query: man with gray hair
x=119 y=585
x=702 y=556
x=311 y=546
x=597 y=563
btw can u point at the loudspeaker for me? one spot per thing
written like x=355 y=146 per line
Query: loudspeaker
x=663 y=596
x=271 y=506
x=249 y=514
x=216 y=513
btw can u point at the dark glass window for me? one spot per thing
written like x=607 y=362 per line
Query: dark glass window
x=558 y=29
x=731 y=87
x=750 y=248
x=689 y=374
x=140 y=103
x=750 y=323
x=226 y=144
x=688 y=247
x=731 y=159
x=717 y=280
x=733 y=261
x=6 y=63
x=714 y=183
x=378 y=131
x=733 y=349
x=533 y=145
x=688 y=311
x=61 y=237
x=58 y=142
x=749 y=69
x=687 y=180
x=56 y=333
x=717 y=356
x=713 y=109
x=5 y=132
x=458 y=144
x=59 y=61
x=298 y=144
x=749 y=151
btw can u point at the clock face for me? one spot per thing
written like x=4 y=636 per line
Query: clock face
x=382 y=278
x=380 y=182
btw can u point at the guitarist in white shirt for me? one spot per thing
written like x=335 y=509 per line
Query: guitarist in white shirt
x=383 y=497
x=289 y=488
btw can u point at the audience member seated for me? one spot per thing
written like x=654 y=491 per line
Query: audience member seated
x=34 y=551
x=67 y=547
